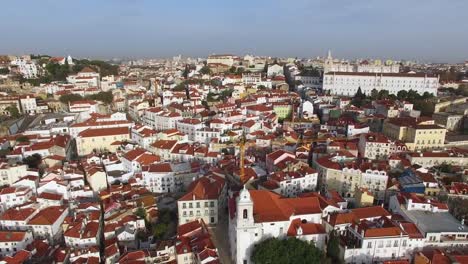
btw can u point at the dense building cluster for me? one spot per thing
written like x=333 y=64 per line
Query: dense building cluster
x=200 y=160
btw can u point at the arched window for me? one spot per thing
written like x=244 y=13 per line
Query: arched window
x=245 y=214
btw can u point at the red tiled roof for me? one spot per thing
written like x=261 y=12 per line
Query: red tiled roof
x=270 y=207
x=11 y=236
x=102 y=132
x=160 y=167
x=14 y=214
x=50 y=196
x=47 y=216
x=307 y=228
x=204 y=188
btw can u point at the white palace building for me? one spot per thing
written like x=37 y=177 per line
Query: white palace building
x=348 y=83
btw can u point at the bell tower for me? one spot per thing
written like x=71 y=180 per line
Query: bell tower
x=244 y=209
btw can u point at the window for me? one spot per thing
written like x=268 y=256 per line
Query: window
x=245 y=214
x=395 y=244
x=369 y=244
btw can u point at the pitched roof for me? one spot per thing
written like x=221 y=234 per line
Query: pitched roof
x=204 y=188
x=47 y=216
x=271 y=207
x=14 y=214
x=11 y=236
x=307 y=228
x=102 y=132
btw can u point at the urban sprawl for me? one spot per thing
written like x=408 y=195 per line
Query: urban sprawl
x=233 y=159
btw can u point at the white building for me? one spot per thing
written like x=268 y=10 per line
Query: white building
x=438 y=226
x=82 y=234
x=257 y=216
x=13 y=196
x=293 y=183
x=347 y=83
x=87 y=107
x=332 y=65
x=189 y=126
x=143 y=135
x=309 y=81
x=26 y=67
x=374 y=146
x=86 y=78
x=28 y=104
x=205 y=198
x=48 y=223
x=275 y=70
x=160 y=119
x=167 y=177
x=13 y=241
x=205 y=135
x=225 y=59
x=17 y=219
x=11 y=173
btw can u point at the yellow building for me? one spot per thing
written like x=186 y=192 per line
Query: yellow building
x=333 y=175
x=282 y=110
x=363 y=197
x=418 y=134
x=422 y=137
x=101 y=139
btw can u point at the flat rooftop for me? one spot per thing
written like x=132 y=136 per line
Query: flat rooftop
x=429 y=222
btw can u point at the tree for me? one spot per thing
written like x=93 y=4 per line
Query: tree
x=383 y=94
x=186 y=72
x=360 y=94
x=283 y=251
x=159 y=230
x=333 y=247
x=4 y=71
x=240 y=70
x=226 y=94
x=401 y=95
x=105 y=97
x=425 y=106
x=141 y=212
x=14 y=112
x=374 y=94
x=179 y=87
x=205 y=70
x=22 y=139
x=33 y=161
x=359 y=98
x=446 y=168
x=66 y=98
x=232 y=70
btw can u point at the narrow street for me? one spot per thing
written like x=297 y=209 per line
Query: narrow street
x=220 y=236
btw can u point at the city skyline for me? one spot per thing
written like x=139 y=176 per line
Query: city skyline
x=143 y=29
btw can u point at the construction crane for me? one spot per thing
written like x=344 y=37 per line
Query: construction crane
x=243 y=144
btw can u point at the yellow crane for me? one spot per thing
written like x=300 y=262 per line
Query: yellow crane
x=242 y=145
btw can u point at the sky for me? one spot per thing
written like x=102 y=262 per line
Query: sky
x=426 y=30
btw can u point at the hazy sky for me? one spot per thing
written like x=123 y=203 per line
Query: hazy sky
x=428 y=30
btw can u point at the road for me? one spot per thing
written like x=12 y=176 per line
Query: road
x=220 y=236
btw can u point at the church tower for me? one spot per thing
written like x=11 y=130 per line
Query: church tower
x=246 y=232
x=244 y=209
x=328 y=63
